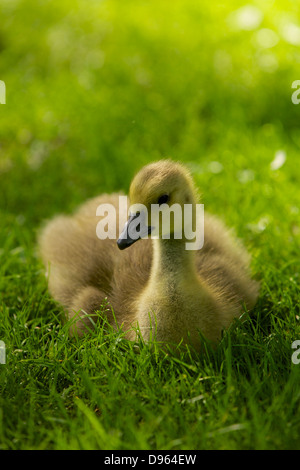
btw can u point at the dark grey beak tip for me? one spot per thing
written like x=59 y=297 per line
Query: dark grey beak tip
x=123 y=243
x=125 y=239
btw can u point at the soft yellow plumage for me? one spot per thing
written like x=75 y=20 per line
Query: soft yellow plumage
x=168 y=291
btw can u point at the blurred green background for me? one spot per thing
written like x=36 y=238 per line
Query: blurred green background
x=96 y=89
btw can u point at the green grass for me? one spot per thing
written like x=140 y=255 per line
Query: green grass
x=94 y=91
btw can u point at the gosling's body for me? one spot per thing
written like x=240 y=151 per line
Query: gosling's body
x=167 y=291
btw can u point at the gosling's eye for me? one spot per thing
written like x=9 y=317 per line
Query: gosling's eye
x=163 y=199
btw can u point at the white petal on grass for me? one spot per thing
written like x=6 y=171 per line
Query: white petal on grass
x=215 y=167
x=232 y=428
x=195 y=399
x=266 y=38
x=246 y=18
x=261 y=225
x=279 y=160
x=291 y=33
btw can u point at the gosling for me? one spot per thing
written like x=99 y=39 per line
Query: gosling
x=156 y=288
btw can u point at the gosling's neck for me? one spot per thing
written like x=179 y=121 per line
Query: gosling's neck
x=172 y=264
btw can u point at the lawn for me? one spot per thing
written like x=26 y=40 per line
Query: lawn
x=95 y=90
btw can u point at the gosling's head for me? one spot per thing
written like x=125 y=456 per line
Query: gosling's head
x=156 y=191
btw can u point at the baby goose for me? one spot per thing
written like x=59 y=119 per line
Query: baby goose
x=168 y=291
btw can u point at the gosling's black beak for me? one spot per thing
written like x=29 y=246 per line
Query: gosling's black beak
x=133 y=230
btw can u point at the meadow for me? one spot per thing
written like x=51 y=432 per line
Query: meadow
x=95 y=90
